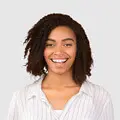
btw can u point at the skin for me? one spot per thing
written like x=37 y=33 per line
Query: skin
x=58 y=85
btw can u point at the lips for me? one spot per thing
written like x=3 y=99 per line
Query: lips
x=59 y=60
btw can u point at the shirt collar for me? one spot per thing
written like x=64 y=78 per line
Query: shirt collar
x=86 y=88
x=34 y=90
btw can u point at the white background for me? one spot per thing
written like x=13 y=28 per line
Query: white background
x=101 y=21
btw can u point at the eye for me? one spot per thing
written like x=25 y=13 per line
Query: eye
x=68 y=45
x=49 y=45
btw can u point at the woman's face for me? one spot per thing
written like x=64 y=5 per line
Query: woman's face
x=60 y=50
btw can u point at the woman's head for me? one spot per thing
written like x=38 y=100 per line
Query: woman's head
x=39 y=37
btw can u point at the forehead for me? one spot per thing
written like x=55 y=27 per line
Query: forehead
x=62 y=32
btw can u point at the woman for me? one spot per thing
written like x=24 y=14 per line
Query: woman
x=59 y=52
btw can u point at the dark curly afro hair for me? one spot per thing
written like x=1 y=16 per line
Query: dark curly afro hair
x=36 y=40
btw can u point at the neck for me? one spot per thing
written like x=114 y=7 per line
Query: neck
x=58 y=80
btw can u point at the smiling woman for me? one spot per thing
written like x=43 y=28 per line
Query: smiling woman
x=59 y=53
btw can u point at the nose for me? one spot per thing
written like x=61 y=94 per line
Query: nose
x=58 y=50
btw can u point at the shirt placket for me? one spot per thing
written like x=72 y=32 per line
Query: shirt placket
x=48 y=105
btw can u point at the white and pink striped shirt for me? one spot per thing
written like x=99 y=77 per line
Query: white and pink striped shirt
x=92 y=102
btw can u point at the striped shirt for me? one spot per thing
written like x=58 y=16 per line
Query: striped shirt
x=92 y=102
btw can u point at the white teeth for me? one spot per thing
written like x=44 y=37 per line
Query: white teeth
x=59 y=61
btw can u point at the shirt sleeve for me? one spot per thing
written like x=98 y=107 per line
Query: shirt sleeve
x=13 y=110
x=108 y=112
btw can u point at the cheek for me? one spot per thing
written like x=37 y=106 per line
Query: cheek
x=72 y=53
x=75 y=51
x=45 y=54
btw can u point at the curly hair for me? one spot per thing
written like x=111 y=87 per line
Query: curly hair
x=35 y=45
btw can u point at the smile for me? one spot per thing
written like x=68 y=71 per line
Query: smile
x=59 y=60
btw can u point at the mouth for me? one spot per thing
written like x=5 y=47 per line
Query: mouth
x=59 y=60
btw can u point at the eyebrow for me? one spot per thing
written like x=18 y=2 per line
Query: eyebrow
x=66 y=39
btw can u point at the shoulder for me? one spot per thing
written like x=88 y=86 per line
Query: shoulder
x=29 y=90
x=26 y=92
x=19 y=99
x=98 y=93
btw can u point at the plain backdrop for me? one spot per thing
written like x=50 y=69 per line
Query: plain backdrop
x=101 y=21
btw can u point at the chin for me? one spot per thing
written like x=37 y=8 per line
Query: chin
x=59 y=72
